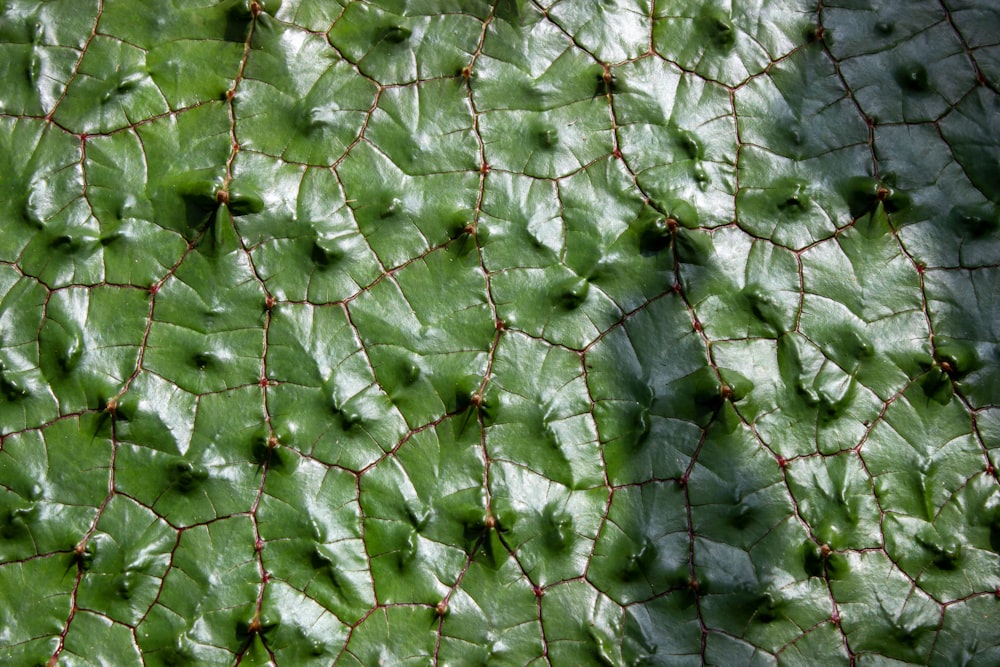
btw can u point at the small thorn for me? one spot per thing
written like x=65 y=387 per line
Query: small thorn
x=835 y=617
x=677 y=288
x=467 y=72
x=273 y=442
x=111 y=407
x=258 y=545
x=921 y=267
x=484 y=168
x=490 y=521
x=263 y=383
x=946 y=367
x=154 y=288
x=255 y=8
x=673 y=225
x=696 y=325
x=269 y=302
x=617 y=153
x=469 y=229
x=693 y=584
x=222 y=196
x=683 y=480
x=825 y=550
x=476 y=400
x=500 y=325
x=782 y=462
x=538 y=591
x=726 y=391
x=882 y=194
x=81 y=547
x=230 y=94
x=441 y=607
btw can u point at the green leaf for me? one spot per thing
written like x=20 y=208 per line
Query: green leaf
x=460 y=332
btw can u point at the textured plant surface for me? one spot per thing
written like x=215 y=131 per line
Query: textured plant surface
x=456 y=332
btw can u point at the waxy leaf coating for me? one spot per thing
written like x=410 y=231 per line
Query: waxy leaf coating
x=512 y=332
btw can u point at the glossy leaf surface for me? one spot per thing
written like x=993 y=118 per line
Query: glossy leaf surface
x=516 y=332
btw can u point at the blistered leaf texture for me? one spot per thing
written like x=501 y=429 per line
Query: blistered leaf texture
x=615 y=332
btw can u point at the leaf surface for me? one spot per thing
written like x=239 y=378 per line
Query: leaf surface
x=440 y=332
